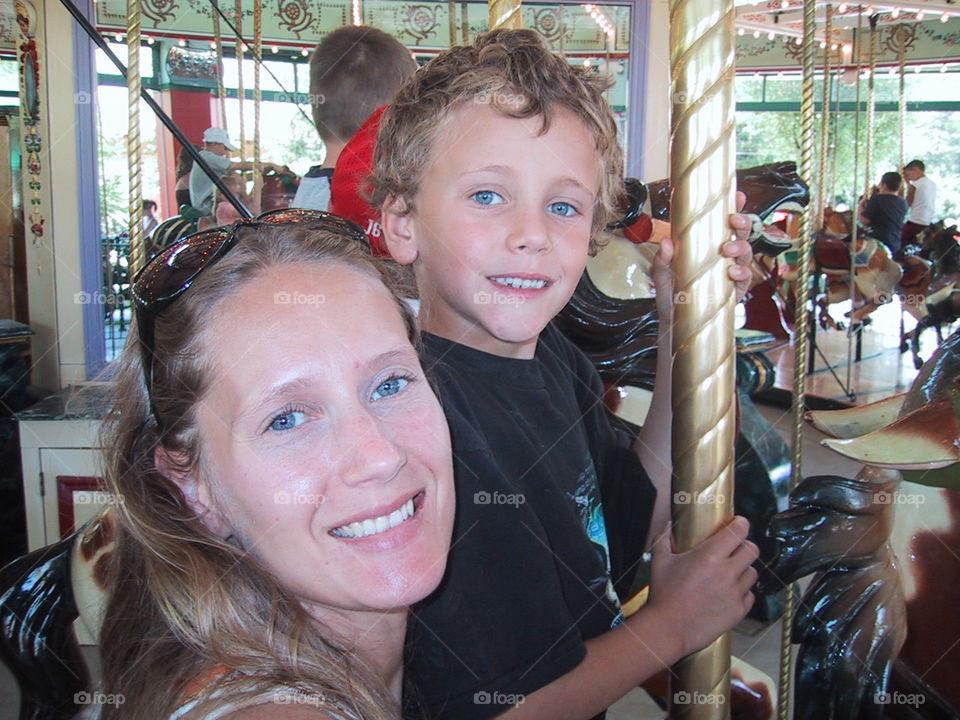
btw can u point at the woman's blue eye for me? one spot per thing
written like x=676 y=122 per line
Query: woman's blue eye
x=487 y=197
x=390 y=387
x=564 y=209
x=287 y=420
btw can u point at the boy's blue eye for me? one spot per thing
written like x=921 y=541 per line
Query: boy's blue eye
x=564 y=209
x=287 y=420
x=390 y=387
x=487 y=197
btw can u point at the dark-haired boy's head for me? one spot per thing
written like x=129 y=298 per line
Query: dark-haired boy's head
x=353 y=71
x=516 y=74
x=891 y=181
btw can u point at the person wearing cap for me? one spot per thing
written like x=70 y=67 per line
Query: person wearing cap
x=216 y=146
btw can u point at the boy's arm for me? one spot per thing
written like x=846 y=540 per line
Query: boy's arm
x=699 y=595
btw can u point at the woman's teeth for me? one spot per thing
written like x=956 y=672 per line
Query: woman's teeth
x=375 y=526
x=519 y=283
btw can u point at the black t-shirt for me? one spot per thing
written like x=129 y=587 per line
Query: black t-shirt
x=529 y=573
x=886 y=214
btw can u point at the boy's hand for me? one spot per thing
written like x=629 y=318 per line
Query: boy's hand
x=704 y=592
x=739 y=249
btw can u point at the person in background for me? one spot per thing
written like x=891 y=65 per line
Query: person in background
x=885 y=211
x=922 y=199
x=184 y=164
x=149 y=220
x=216 y=149
x=353 y=71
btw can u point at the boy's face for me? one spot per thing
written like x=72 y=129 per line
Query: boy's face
x=501 y=230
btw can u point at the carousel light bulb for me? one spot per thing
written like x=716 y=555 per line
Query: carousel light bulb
x=181 y=42
x=784 y=4
x=756 y=33
x=895 y=13
x=943 y=68
x=798 y=41
x=916 y=68
x=823 y=44
x=770 y=35
x=118 y=37
x=740 y=32
x=274 y=49
x=842 y=8
x=920 y=15
x=835 y=46
x=944 y=17
x=586 y=63
x=150 y=40
x=243 y=47
x=304 y=52
x=213 y=44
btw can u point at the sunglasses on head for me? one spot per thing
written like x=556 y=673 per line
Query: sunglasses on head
x=173 y=271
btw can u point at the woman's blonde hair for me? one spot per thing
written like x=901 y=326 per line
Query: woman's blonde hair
x=514 y=72
x=183 y=601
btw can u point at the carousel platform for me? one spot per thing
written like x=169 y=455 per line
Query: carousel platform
x=838 y=379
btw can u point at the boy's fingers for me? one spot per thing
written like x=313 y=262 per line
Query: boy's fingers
x=741 y=200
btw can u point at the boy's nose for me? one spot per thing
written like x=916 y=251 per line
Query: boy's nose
x=529 y=232
x=369 y=453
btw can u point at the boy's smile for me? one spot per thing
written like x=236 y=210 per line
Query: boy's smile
x=501 y=226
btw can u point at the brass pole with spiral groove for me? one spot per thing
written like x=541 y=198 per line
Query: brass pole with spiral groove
x=257 y=98
x=800 y=334
x=822 y=199
x=702 y=175
x=138 y=251
x=504 y=14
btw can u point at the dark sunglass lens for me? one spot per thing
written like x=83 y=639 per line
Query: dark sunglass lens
x=171 y=272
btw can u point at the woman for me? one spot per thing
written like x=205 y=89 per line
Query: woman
x=283 y=478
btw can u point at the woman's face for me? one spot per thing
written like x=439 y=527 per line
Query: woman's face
x=325 y=453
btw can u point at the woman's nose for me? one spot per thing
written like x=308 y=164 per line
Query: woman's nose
x=370 y=453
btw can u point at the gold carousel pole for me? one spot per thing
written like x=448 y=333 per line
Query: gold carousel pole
x=871 y=112
x=257 y=55
x=218 y=43
x=137 y=249
x=504 y=14
x=800 y=332
x=823 y=200
x=241 y=93
x=702 y=174
x=902 y=106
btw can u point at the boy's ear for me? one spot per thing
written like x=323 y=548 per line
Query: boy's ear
x=397 y=225
x=175 y=466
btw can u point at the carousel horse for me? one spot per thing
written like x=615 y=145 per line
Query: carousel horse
x=878 y=626
x=932 y=297
x=876 y=274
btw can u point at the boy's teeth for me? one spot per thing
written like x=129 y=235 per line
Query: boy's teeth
x=375 y=526
x=520 y=283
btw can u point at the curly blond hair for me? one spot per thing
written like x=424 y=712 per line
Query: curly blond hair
x=514 y=72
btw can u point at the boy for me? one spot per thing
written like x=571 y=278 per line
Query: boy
x=498 y=226
x=216 y=148
x=353 y=71
x=885 y=212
